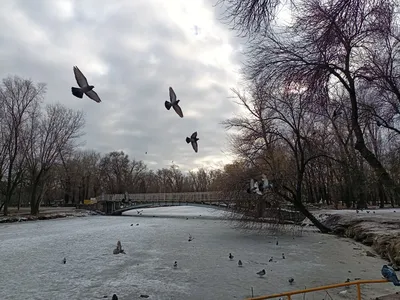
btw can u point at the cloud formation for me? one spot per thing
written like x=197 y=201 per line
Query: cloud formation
x=131 y=51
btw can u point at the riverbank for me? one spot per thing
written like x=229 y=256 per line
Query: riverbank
x=46 y=213
x=379 y=229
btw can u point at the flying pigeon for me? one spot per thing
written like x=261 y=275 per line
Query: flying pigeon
x=230 y=256
x=390 y=275
x=84 y=87
x=240 y=264
x=193 y=139
x=261 y=273
x=175 y=264
x=264 y=184
x=253 y=188
x=114 y=297
x=173 y=103
x=291 y=280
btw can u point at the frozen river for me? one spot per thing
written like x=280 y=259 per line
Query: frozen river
x=31 y=255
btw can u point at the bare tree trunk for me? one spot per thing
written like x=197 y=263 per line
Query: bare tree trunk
x=34 y=210
x=19 y=196
x=5 y=211
x=299 y=205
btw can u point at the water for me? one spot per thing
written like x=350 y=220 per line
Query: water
x=31 y=255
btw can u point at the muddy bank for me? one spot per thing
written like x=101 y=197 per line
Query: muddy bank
x=381 y=232
x=46 y=216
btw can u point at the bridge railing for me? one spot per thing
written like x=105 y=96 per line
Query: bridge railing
x=166 y=197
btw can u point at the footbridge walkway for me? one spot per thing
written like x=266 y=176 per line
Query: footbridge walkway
x=116 y=204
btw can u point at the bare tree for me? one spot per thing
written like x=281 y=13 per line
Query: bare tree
x=19 y=99
x=49 y=133
x=325 y=47
x=120 y=174
x=284 y=121
x=252 y=17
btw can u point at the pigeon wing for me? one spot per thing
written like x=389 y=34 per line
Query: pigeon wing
x=195 y=146
x=93 y=95
x=386 y=272
x=172 y=95
x=194 y=135
x=178 y=110
x=80 y=78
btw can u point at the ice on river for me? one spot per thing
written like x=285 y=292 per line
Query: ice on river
x=179 y=212
x=31 y=255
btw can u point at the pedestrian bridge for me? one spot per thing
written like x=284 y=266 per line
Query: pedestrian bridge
x=116 y=204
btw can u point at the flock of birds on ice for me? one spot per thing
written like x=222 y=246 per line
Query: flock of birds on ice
x=87 y=89
x=387 y=271
x=255 y=187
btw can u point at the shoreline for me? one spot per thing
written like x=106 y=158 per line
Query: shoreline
x=49 y=214
x=380 y=232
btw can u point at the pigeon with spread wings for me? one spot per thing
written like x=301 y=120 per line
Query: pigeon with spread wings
x=193 y=139
x=84 y=87
x=173 y=103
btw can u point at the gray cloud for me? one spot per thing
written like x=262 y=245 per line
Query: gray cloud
x=131 y=51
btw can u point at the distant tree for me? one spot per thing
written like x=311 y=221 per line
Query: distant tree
x=120 y=174
x=49 y=133
x=19 y=98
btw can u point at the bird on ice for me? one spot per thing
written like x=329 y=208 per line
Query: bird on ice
x=64 y=260
x=291 y=280
x=175 y=264
x=193 y=139
x=84 y=87
x=114 y=297
x=173 y=103
x=230 y=256
x=390 y=274
x=271 y=259
x=240 y=264
x=283 y=255
x=261 y=273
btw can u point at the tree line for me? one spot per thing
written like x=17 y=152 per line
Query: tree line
x=321 y=119
x=41 y=158
x=322 y=101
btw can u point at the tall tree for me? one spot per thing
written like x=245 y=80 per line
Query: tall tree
x=19 y=98
x=49 y=133
x=329 y=45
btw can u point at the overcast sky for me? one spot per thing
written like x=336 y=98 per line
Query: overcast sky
x=131 y=51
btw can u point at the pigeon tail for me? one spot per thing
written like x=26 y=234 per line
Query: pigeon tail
x=77 y=92
x=395 y=280
x=187 y=140
x=168 y=105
